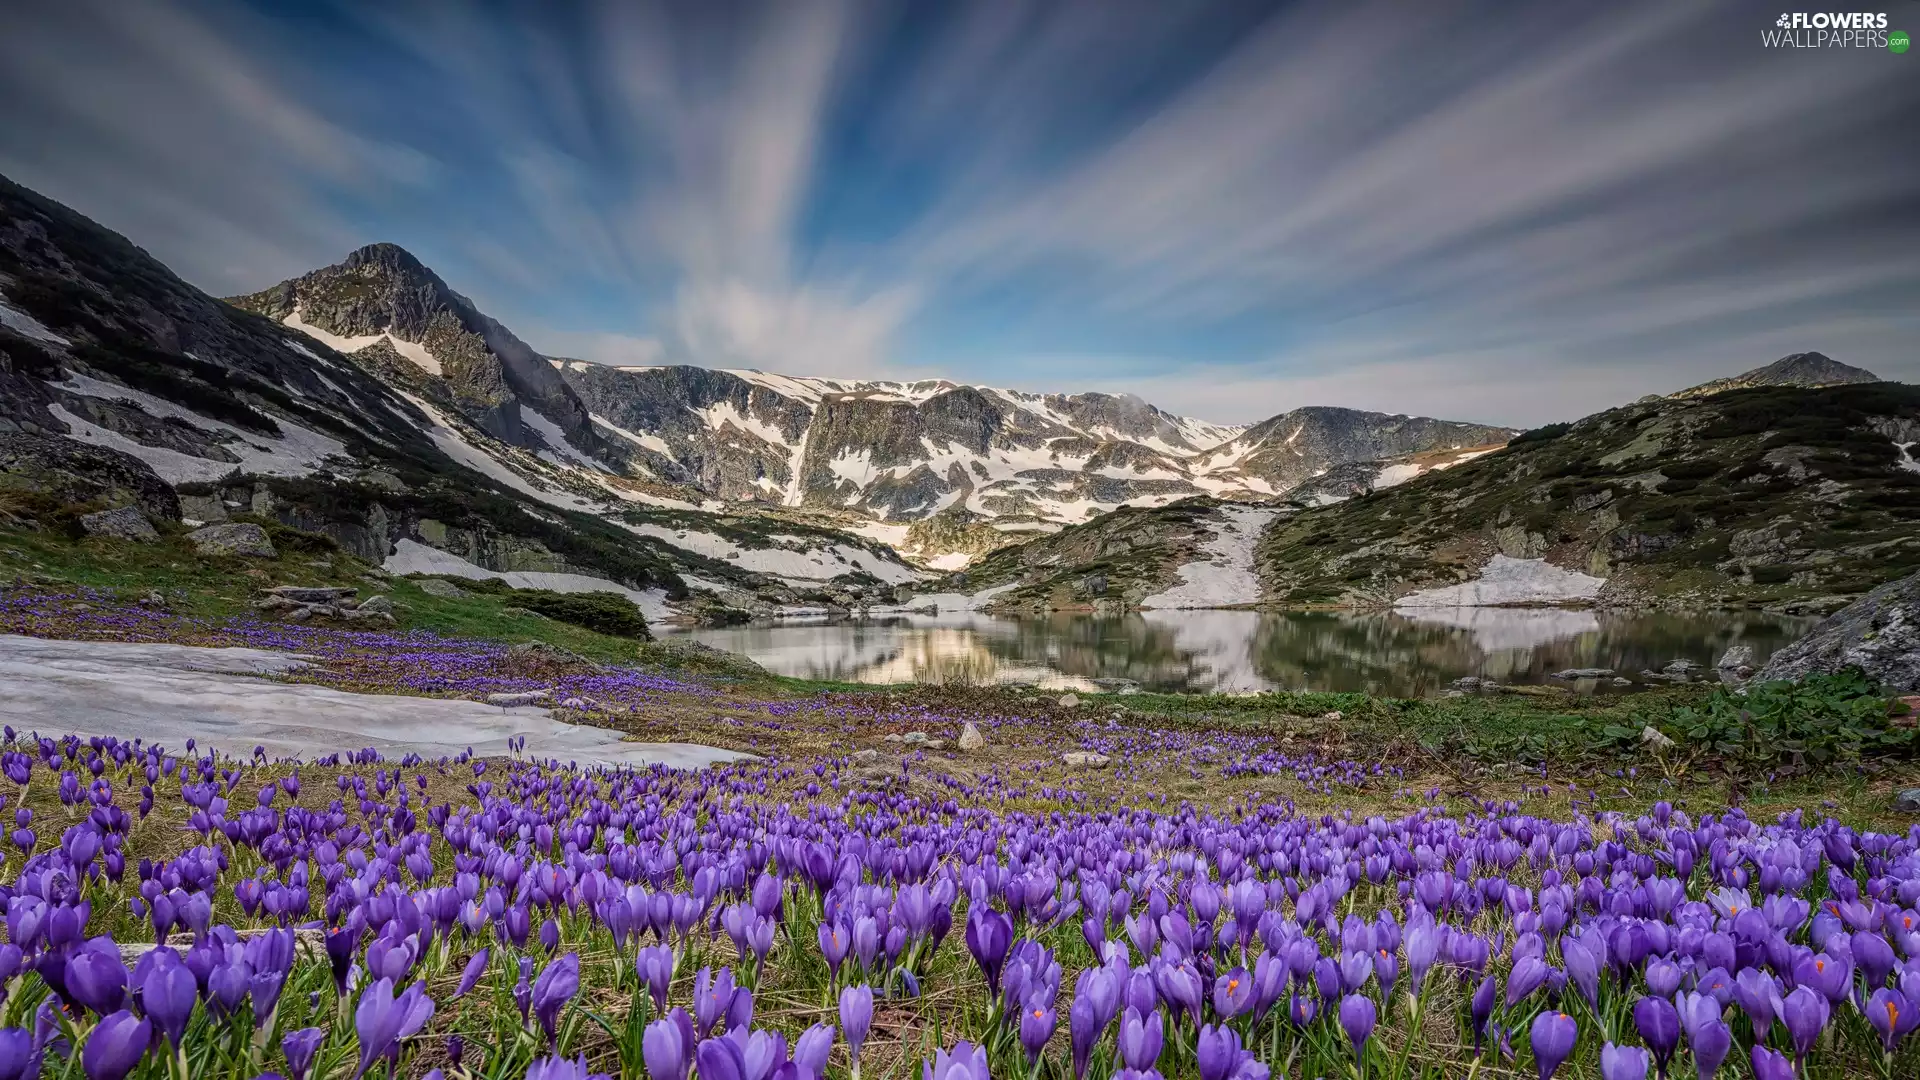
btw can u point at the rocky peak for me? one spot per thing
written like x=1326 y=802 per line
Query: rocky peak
x=1802 y=369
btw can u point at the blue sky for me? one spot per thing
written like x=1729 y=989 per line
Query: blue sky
x=1503 y=212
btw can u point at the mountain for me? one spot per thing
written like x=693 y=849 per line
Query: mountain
x=118 y=379
x=435 y=341
x=1777 y=496
x=1804 y=369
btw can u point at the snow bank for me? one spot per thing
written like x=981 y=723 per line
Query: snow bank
x=1508 y=580
x=413 y=557
x=168 y=694
x=26 y=325
x=298 y=450
x=1223 y=574
x=785 y=563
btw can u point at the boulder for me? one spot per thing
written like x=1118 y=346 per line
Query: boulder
x=1735 y=658
x=1878 y=633
x=970 y=738
x=376 y=603
x=865 y=757
x=1653 y=739
x=313 y=594
x=915 y=738
x=1069 y=701
x=1584 y=673
x=442 y=588
x=233 y=538
x=1907 y=801
x=120 y=523
x=1082 y=759
x=75 y=472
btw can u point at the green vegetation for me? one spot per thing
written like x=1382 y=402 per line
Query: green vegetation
x=602 y=612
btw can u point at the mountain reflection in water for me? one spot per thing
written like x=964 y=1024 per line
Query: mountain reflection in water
x=1397 y=653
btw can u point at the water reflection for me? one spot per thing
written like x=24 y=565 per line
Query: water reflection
x=1391 y=653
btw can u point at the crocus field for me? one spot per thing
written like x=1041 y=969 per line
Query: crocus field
x=797 y=918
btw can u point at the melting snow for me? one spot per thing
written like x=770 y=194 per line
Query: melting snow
x=26 y=325
x=1223 y=575
x=1909 y=456
x=413 y=557
x=562 y=450
x=297 y=451
x=1507 y=580
x=414 y=352
x=816 y=565
x=172 y=693
x=448 y=439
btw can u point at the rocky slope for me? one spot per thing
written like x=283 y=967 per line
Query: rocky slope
x=1777 y=495
x=119 y=381
x=453 y=353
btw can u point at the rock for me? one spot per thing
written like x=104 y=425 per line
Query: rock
x=895 y=737
x=1467 y=683
x=1736 y=657
x=865 y=757
x=1334 y=715
x=935 y=744
x=376 y=603
x=1680 y=668
x=313 y=594
x=1117 y=686
x=442 y=588
x=524 y=697
x=1652 y=739
x=970 y=738
x=120 y=523
x=1082 y=759
x=578 y=704
x=154 y=599
x=1907 y=801
x=1621 y=680
x=1069 y=701
x=914 y=738
x=233 y=538
x=71 y=471
x=1583 y=673
x=300 y=614
x=362 y=615
x=1878 y=633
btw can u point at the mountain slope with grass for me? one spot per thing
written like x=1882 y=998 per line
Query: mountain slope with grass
x=1777 y=496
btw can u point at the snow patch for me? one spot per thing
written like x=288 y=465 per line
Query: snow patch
x=172 y=693
x=425 y=360
x=448 y=439
x=649 y=440
x=1507 y=580
x=1223 y=574
x=298 y=450
x=414 y=557
x=562 y=450
x=1909 y=456
x=26 y=325
x=816 y=565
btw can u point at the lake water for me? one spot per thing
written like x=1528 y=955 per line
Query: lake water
x=1399 y=653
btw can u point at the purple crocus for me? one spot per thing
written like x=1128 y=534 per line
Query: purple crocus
x=811 y=1049
x=721 y=1059
x=1037 y=1022
x=115 y=1046
x=476 y=967
x=1891 y=1016
x=989 y=937
x=667 y=1048
x=655 y=965
x=1659 y=1025
x=382 y=1019
x=856 y=1019
x=1552 y=1036
x=551 y=992
x=300 y=1048
x=1357 y=1016
x=1805 y=1012
x=965 y=1062
x=1141 y=1038
x=1623 y=1062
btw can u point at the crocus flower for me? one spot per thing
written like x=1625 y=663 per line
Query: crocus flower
x=1768 y=1065
x=1552 y=1036
x=1036 y=1026
x=115 y=1046
x=1141 y=1038
x=1659 y=1024
x=1711 y=1039
x=555 y=1068
x=655 y=965
x=1233 y=993
x=856 y=1019
x=476 y=967
x=666 y=1050
x=1623 y=1062
x=300 y=1047
x=1891 y=1017
x=989 y=937
x=811 y=1049
x=721 y=1059
x=551 y=992
x=1805 y=1012
x=965 y=1062
x=1357 y=1017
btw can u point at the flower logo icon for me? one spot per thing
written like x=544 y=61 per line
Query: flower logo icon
x=1783 y=22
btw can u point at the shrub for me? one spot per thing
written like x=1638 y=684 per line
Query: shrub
x=1825 y=719
x=601 y=612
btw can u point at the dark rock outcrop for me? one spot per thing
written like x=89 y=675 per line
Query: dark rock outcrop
x=1802 y=369
x=1878 y=633
x=75 y=472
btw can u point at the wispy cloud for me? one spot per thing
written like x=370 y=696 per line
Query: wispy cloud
x=1503 y=211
